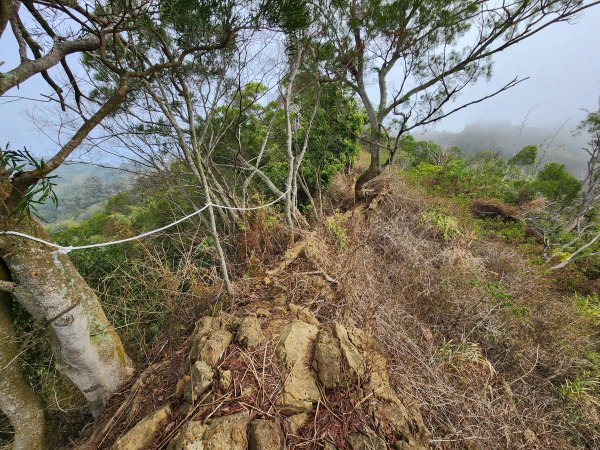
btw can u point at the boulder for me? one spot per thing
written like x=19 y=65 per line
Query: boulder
x=299 y=393
x=227 y=432
x=211 y=349
x=359 y=441
x=265 y=435
x=350 y=351
x=249 y=334
x=190 y=436
x=295 y=345
x=222 y=433
x=225 y=379
x=296 y=422
x=327 y=360
x=142 y=434
x=329 y=446
x=300 y=390
x=209 y=340
x=201 y=377
x=407 y=425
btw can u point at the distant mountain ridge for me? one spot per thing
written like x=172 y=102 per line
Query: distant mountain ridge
x=507 y=139
x=82 y=190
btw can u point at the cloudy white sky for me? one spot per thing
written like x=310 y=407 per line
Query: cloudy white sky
x=562 y=63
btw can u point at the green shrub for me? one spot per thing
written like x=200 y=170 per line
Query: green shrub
x=442 y=224
x=335 y=228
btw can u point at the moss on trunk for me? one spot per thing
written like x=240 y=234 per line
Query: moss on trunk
x=17 y=400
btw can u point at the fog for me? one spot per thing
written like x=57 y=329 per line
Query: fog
x=554 y=144
x=562 y=64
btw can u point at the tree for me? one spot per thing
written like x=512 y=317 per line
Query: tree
x=431 y=50
x=87 y=348
x=555 y=183
x=17 y=400
x=591 y=183
x=527 y=156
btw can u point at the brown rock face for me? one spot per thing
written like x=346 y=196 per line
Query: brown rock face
x=327 y=360
x=201 y=377
x=209 y=340
x=350 y=351
x=359 y=441
x=227 y=432
x=265 y=435
x=145 y=431
x=307 y=359
x=295 y=345
x=190 y=436
x=300 y=390
x=249 y=334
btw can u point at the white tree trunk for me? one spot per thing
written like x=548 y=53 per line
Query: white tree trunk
x=17 y=400
x=88 y=350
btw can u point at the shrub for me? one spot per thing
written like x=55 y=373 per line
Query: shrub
x=442 y=224
x=335 y=228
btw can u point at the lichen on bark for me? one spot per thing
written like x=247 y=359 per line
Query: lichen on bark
x=17 y=400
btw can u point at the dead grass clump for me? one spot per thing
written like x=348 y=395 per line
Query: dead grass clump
x=474 y=332
x=261 y=239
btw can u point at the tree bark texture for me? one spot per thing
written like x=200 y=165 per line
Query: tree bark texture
x=88 y=350
x=17 y=400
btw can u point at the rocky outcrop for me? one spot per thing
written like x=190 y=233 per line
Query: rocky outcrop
x=264 y=381
x=249 y=333
x=144 y=432
x=327 y=360
x=300 y=392
x=226 y=432
x=265 y=435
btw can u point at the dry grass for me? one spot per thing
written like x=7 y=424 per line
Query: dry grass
x=480 y=338
x=476 y=334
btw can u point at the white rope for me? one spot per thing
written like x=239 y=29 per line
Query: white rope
x=67 y=249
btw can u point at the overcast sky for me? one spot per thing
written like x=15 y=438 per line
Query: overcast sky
x=563 y=63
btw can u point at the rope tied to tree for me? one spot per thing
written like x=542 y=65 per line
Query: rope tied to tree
x=65 y=249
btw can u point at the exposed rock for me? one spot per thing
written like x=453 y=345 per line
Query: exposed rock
x=303 y=314
x=227 y=432
x=327 y=360
x=350 y=351
x=213 y=348
x=494 y=208
x=222 y=433
x=190 y=436
x=299 y=393
x=359 y=441
x=200 y=382
x=296 y=422
x=296 y=340
x=265 y=435
x=250 y=333
x=300 y=389
x=225 y=379
x=209 y=340
x=339 y=356
x=390 y=410
x=142 y=435
x=329 y=446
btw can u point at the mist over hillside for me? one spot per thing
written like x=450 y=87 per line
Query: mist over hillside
x=554 y=144
x=81 y=190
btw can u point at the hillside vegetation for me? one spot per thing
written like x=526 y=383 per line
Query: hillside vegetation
x=495 y=350
x=282 y=262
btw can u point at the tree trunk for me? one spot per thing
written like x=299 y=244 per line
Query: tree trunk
x=17 y=400
x=88 y=350
x=374 y=167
